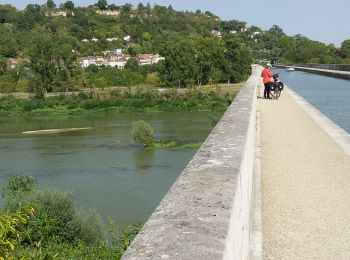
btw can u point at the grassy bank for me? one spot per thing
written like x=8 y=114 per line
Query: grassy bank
x=140 y=99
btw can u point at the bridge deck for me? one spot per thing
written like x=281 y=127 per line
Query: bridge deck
x=305 y=186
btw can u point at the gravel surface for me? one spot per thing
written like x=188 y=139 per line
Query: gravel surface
x=305 y=186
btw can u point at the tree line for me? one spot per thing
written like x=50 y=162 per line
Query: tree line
x=198 y=47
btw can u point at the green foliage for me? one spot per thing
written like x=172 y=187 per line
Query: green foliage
x=345 y=49
x=69 y=5
x=19 y=184
x=55 y=228
x=122 y=238
x=142 y=133
x=102 y=4
x=10 y=225
x=50 y=4
x=153 y=79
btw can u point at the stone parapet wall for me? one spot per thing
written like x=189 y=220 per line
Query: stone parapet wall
x=207 y=212
x=342 y=67
x=328 y=72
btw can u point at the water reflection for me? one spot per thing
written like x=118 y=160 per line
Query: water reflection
x=143 y=158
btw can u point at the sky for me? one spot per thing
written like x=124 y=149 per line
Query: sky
x=320 y=20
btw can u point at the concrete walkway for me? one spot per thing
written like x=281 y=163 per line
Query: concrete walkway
x=305 y=185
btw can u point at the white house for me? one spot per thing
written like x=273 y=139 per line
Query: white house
x=216 y=33
x=147 y=59
x=108 y=12
x=94 y=39
x=127 y=38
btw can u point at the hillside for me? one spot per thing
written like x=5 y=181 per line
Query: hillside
x=47 y=43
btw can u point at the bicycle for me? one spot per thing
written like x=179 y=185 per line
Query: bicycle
x=276 y=87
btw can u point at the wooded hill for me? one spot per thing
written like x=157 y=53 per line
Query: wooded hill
x=198 y=47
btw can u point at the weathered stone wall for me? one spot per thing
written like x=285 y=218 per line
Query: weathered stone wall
x=206 y=213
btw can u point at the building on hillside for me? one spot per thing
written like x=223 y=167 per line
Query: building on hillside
x=85 y=62
x=216 y=33
x=12 y=63
x=127 y=38
x=113 y=61
x=108 y=12
x=94 y=39
x=117 y=61
x=59 y=13
x=85 y=40
x=147 y=59
x=118 y=52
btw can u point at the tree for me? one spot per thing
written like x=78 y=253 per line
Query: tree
x=8 y=14
x=233 y=25
x=140 y=7
x=179 y=63
x=275 y=29
x=132 y=64
x=209 y=53
x=32 y=15
x=142 y=133
x=42 y=60
x=69 y=5
x=102 y=4
x=238 y=59
x=52 y=60
x=2 y=65
x=345 y=49
x=50 y=4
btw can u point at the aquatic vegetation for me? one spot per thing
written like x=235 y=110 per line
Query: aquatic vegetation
x=139 y=100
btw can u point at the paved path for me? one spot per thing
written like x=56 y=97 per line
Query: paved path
x=305 y=186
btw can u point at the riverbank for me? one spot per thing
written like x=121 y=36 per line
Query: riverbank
x=207 y=99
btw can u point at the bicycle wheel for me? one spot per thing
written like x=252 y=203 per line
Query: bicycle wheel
x=273 y=92
x=277 y=93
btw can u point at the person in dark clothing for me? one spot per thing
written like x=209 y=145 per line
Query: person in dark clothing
x=266 y=75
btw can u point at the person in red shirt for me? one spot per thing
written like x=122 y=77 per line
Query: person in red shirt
x=266 y=75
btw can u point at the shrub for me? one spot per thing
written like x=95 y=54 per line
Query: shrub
x=18 y=183
x=10 y=232
x=142 y=133
x=55 y=219
x=55 y=229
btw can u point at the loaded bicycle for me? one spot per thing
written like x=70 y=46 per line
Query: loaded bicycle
x=276 y=87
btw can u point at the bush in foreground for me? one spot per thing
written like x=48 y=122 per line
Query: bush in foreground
x=46 y=225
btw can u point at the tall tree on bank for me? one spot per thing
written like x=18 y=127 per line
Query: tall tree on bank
x=52 y=60
x=42 y=58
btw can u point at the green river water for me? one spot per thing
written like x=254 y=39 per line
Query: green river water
x=101 y=165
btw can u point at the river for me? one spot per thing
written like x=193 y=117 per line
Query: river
x=328 y=94
x=101 y=165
